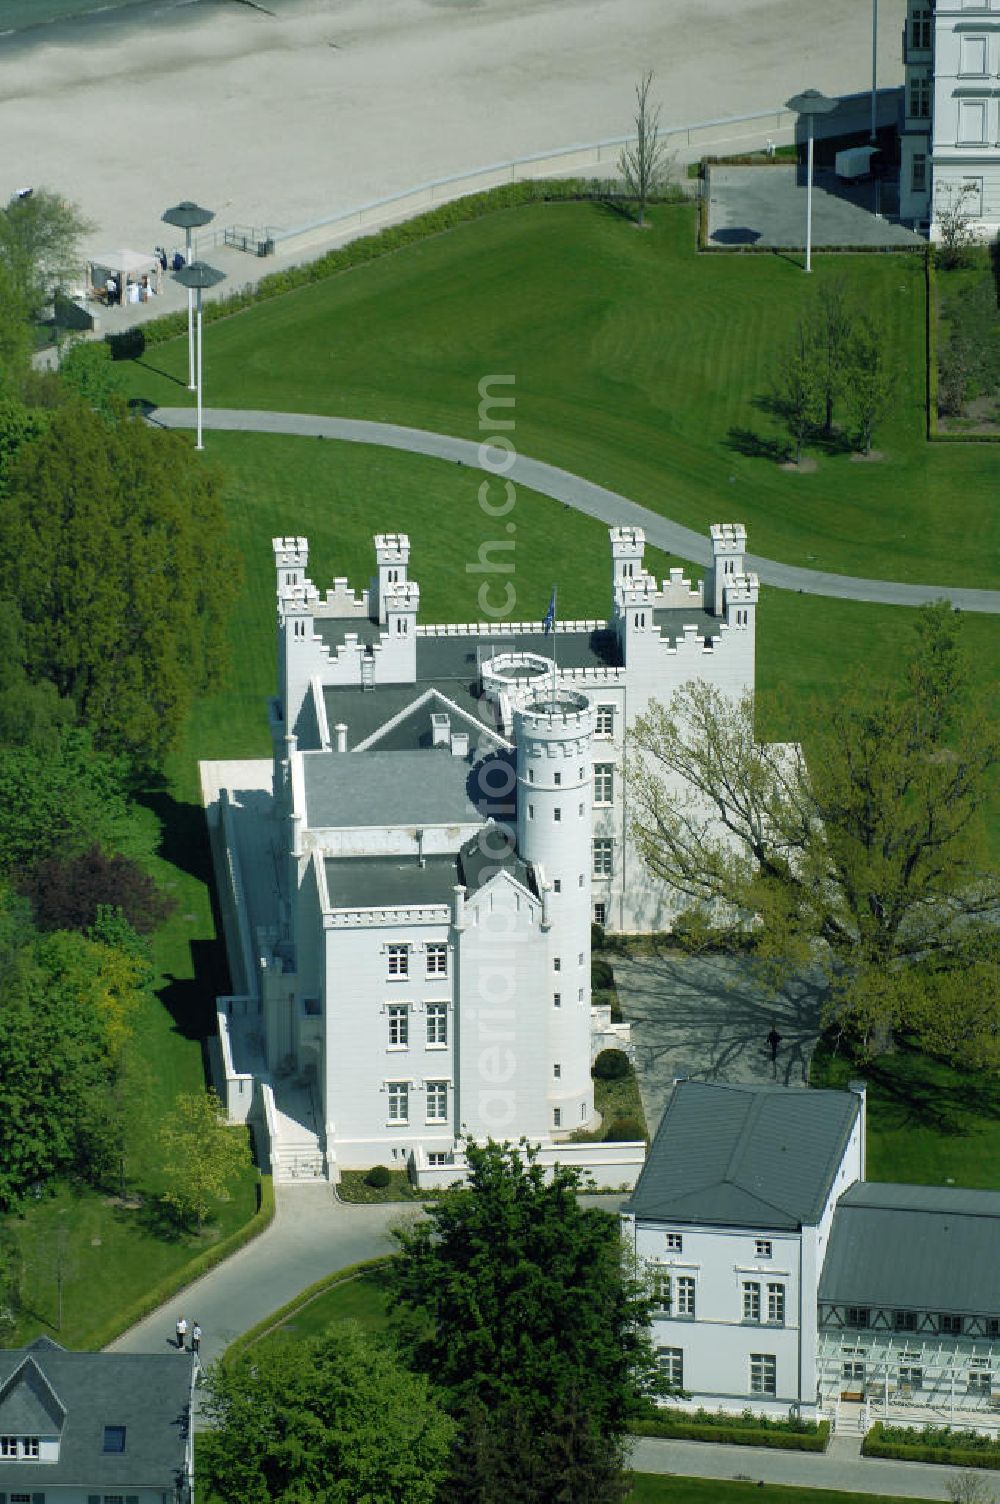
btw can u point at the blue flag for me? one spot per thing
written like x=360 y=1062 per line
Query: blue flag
x=549 y=623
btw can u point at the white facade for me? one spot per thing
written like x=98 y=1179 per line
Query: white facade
x=451 y=816
x=951 y=130
x=737 y=1326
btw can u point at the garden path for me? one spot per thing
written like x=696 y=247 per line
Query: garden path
x=582 y=495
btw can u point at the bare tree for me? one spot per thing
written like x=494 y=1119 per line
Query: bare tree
x=646 y=166
x=953 y=219
x=970 y=1488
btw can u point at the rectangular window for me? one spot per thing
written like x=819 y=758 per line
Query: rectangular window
x=557 y=885
x=399 y=1026
x=557 y=779
x=437 y=959
x=952 y=1325
x=604 y=782
x=776 y=1304
x=24 y=1498
x=858 y=1316
x=918 y=173
x=659 y=1286
x=852 y=1372
x=557 y=999
x=603 y=856
x=600 y=913
x=557 y=963
x=763 y=1373
x=557 y=814
x=557 y=1071
x=972 y=57
x=685 y=1295
x=531 y=811
x=911 y=1377
x=670 y=1361
x=605 y=725
x=972 y=122
x=557 y=1117
x=905 y=1321
x=437 y=1157
x=8 y=1446
x=920 y=29
x=751 y=1301
x=675 y=1242
x=993 y=1327
x=437 y=1025
x=399 y=1101
x=29 y=1447
x=920 y=98
x=114 y=1438
x=437 y=1101
x=980 y=1376
x=762 y=1248
x=399 y=960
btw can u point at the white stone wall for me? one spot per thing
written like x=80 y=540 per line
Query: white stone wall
x=966 y=108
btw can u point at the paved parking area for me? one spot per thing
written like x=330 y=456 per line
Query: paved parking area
x=766 y=206
x=708 y=1017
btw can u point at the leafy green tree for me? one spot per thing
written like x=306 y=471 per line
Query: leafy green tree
x=40 y=245
x=868 y=858
x=518 y=1300
x=870 y=381
x=799 y=391
x=87 y=369
x=503 y=1458
x=831 y=327
x=31 y=715
x=58 y=797
x=55 y=1057
x=202 y=1156
x=332 y=1420
x=15 y=337
x=113 y=543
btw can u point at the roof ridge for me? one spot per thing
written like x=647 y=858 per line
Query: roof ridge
x=755 y=1102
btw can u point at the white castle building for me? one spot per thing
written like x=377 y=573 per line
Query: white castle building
x=409 y=924
x=951 y=126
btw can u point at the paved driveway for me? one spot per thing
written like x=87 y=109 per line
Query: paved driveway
x=766 y=206
x=708 y=1017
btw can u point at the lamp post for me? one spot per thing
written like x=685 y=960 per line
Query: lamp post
x=874 y=134
x=187 y=216
x=196 y=276
x=807 y=106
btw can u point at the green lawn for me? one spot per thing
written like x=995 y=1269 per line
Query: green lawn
x=364 y=1299
x=652 y=1488
x=638 y=364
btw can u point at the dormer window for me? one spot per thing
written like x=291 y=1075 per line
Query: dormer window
x=114 y=1438
x=19 y=1448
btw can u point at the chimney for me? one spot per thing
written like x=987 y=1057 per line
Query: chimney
x=421 y=860
x=440 y=730
x=341 y=733
x=459 y=744
x=860 y=1089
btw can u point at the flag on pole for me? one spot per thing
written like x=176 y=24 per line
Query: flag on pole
x=549 y=622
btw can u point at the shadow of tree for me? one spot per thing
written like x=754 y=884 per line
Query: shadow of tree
x=757 y=446
x=735 y=235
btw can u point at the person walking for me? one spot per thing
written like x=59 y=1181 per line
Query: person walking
x=181 y=1329
x=774 y=1039
x=196 y=1339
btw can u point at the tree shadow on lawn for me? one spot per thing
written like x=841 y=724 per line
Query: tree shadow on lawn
x=916 y=1091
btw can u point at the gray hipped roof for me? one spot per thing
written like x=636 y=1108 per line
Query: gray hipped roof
x=745 y=1156
x=81 y=1393
x=429 y=787
x=914 y=1247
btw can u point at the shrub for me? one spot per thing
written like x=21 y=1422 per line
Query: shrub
x=759 y=1432
x=598 y=940
x=625 y=1131
x=378 y=1177
x=69 y=893
x=612 y=1065
x=932 y=1444
x=602 y=978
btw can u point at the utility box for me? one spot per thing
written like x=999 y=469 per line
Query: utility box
x=855 y=162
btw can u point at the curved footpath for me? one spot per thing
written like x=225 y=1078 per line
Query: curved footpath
x=582 y=495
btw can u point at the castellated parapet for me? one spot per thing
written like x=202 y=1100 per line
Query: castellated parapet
x=291 y=560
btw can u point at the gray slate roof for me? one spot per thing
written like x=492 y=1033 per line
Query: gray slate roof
x=744 y=1156
x=427 y=787
x=148 y=1394
x=355 y=882
x=914 y=1247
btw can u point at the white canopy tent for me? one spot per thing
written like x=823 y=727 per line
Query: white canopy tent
x=126 y=266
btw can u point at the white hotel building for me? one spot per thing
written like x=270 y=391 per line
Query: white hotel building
x=409 y=886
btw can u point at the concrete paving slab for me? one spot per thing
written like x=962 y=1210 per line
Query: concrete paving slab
x=766 y=206
x=708 y=1017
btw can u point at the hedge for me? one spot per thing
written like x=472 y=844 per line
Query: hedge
x=304 y=1298
x=735 y=1434
x=168 y=1287
x=966 y=1448
x=380 y=243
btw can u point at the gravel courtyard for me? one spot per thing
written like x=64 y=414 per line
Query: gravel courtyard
x=707 y=1017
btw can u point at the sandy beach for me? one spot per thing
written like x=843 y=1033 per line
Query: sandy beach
x=282 y=118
